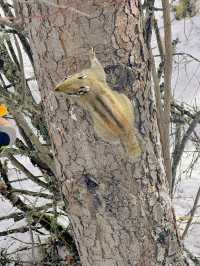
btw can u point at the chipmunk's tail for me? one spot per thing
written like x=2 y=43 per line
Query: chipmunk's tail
x=134 y=150
x=132 y=145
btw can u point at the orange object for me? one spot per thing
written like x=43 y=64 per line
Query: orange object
x=3 y=110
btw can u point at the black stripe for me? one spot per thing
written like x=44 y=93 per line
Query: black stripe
x=109 y=112
x=95 y=108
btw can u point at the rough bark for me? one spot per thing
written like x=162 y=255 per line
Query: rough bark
x=119 y=208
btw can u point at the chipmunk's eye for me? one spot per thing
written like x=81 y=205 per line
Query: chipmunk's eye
x=82 y=77
x=83 y=90
x=66 y=78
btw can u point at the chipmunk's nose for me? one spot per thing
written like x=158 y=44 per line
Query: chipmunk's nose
x=56 y=88
x=59 y=87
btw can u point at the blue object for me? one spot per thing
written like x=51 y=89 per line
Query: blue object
x=4 y=139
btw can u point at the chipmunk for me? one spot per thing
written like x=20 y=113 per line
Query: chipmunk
x=111 y=112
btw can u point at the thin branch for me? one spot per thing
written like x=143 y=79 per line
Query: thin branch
x=9 y=20
x=158 y=39
x=43 y=152
x=13 y=151
x=160 y=47
x=183 y=110
x=22 y=229
x=38 y=217
x=12 y=53
x=32 y=193
x=158 y=9
x=192 y=257
x=191 y=214
x=17 y=23
x=22 y=76
x=23 y=89
x=5 y=30
x=160 y=113
x=189 y=55
x=16 y=216
x=21 y=179
x=179 y=149
x=22 y=168
x=33 y=156
x=32 y=241
x=43 y=207
x=148 y=22
x=183 y=54
x=25 y=248
x=167 y=86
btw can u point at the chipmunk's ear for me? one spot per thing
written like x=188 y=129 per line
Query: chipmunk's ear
x=96 y=67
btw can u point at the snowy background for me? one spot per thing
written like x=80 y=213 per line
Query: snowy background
x=186 y=89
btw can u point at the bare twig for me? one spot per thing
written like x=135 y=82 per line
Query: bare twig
x=21 y=167
x=22 y=229
x=160 y=113
x=148 y=21
x=192 y=257
x=191 y=214
x=160 y=48
x=189 y=55
x=167 y=87
x=36 y=214
x=17 y=25
x=43 y=152
x=183 y=54
x=16 y=216
x=13 y=56
x=23 y=79
x=32 y=193
x=183 y=110
x=179 y=149
x=25 y=248
x=29 y=220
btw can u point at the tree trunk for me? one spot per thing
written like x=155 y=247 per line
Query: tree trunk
x=119 y=207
